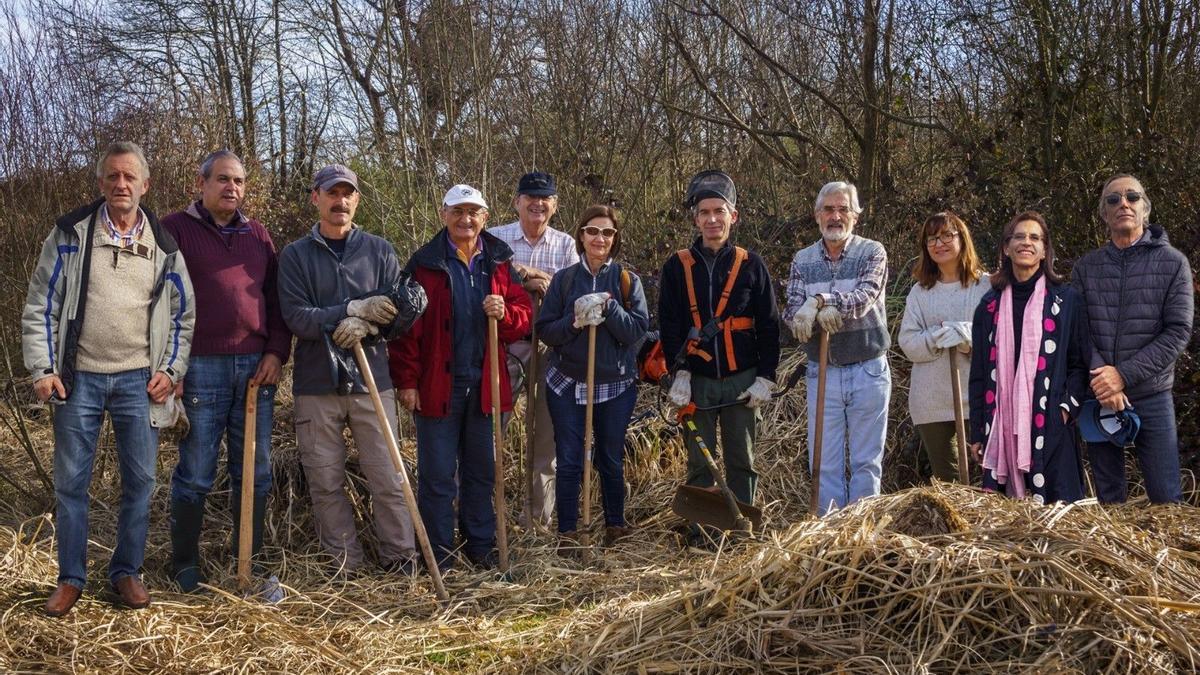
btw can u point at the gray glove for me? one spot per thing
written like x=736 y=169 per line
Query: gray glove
x=758 y=393
x=802 y=320
x=376 y=309
x=681 y=389
x=589 y=309
x=352 y=329
x=830 y=319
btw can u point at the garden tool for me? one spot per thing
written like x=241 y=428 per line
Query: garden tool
x=398 y=462
x=531 y=389
x=584 y=535
x=249 y=449
x=960 y=425
x=498 y=445
x=814 y=503
x=703 y=506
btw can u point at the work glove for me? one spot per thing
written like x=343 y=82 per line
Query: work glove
x=758 y=393
x=802 y=321
x=352 y=329
x=589 y=309
x=378 y=309
x=681 y=389
x=830 y=319
x=953 y=334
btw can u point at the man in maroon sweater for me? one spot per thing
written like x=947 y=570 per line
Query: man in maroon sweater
x=240 y=338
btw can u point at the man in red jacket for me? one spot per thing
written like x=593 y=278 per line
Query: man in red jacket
x=440 y=369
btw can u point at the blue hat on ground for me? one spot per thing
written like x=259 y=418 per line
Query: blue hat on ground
x=537 y=184
x=1098 y=424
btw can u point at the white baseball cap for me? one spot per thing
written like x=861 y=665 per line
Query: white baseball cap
x=464 y=194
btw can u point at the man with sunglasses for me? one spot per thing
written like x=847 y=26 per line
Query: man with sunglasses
x=1138 y=293
x=717 y=316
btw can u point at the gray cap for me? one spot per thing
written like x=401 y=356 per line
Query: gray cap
x=710 y=184
x=334 y=174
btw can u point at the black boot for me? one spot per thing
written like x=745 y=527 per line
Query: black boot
x=258 y=516
x=186 y=521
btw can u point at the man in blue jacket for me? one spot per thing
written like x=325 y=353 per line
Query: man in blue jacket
x=1138 y=292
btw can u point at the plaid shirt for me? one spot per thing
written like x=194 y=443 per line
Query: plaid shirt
x=553 y=252
x=605 y=391
x=123 y=240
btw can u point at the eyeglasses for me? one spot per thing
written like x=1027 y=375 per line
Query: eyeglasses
x=606 y=232
x=946 y=237
x=1022 y=237
x=1131 y=196
x=830 y=210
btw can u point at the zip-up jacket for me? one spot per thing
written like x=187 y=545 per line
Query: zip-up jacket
x=752 y=296
x=423 y=358
x=1139 y=308
x=55 y=306
x=617 y=339
x=314 y=288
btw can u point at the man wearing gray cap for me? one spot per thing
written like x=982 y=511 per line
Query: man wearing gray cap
x=539 y=251
x=328 y=282
x=440 y=368
x=717 y=314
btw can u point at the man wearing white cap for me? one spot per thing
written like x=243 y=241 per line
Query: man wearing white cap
x=440 y=369
x=328 y=284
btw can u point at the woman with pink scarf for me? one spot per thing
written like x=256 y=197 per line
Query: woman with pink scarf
x=1029 y=371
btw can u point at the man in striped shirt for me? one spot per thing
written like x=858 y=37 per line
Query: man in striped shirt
x=837 y=285
x=539 y=251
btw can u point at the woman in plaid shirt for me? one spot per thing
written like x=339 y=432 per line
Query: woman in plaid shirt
x=590 y=293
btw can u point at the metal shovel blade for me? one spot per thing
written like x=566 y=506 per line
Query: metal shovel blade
x=706 y=507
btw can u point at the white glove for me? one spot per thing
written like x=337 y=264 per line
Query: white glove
x=830 y=319
x=352 y=329
x=376 y=309
x=802 y=321
x=589 y=309
x=758 y=393
x=681 y=389
x=953 y=334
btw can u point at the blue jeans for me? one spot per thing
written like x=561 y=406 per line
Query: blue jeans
x=856 y=413
x=76 y=427
x=459 y=442
x=609 y=421
x=1157 y=451
x=214 y=395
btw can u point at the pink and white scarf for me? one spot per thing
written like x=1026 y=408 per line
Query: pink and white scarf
x=1008 y=454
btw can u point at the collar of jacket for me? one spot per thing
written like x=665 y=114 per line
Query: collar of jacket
x=67 y=224
x=1158 y=237
x=433 y=253
x=353 y=240
x=194 y=210
x=699 y=250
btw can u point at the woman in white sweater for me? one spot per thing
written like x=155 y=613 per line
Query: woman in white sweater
x=937 y=319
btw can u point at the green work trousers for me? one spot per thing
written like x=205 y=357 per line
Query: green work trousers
x=738 y=428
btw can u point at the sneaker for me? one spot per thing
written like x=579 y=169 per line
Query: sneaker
x=271 y=591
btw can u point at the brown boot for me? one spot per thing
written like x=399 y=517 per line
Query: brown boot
x=62 y=600
x=131 y=593
x=568 y=545
x=615 y=534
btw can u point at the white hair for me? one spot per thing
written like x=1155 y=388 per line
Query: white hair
x=123 y=148
x=1145 y=211
x=838 y=187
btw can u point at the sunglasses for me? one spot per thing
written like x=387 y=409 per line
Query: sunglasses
x=1131 y=196
x=606 y=232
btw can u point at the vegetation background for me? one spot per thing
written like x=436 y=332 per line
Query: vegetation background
x=985 y=107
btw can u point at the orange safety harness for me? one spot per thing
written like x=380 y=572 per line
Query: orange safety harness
x=725 y=325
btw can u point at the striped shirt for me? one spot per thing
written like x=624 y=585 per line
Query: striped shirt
x=555 y=250
x=605 y=391
x=123 y=240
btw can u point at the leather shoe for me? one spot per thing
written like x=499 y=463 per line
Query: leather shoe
x=615 y=534
x=131 y=593
x=62 y=600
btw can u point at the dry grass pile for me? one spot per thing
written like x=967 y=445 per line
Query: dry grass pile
x=944 y=579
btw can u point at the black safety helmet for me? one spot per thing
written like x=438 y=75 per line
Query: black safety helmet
x=711 y=183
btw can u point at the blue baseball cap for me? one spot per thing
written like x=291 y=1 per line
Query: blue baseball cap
x=1098 y=424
